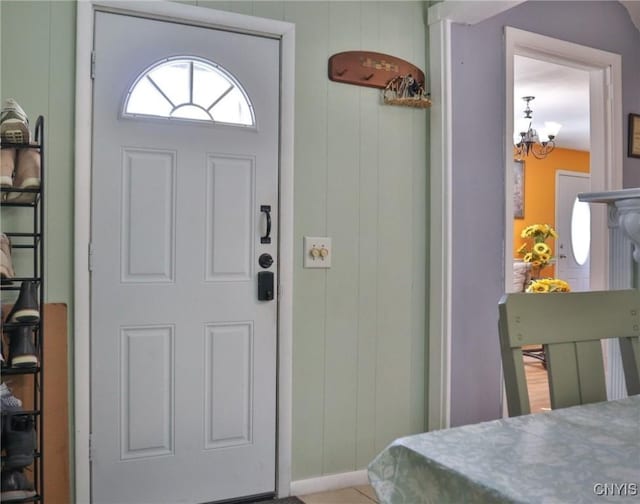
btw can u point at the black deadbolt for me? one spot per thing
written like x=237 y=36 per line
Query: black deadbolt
x=265 y=286
x=265 y=260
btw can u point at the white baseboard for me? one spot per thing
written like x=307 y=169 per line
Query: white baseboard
x=329 y=482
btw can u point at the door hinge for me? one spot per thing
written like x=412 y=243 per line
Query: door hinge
x=90 y=449
x=93 y=64
x=90 y=255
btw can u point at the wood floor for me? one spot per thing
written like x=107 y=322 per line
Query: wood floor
x=537 y=385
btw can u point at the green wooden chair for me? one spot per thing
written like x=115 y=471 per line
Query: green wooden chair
x=570 y=326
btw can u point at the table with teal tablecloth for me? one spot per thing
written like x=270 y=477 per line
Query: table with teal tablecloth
x=583 y=454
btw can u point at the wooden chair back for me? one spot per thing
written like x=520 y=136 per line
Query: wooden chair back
x=570 y=326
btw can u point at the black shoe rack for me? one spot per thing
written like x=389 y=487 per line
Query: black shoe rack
x=32 y=240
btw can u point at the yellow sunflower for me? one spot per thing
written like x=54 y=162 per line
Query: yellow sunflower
x=541 y=248
x=530 y=231
x=538 y=287
x=560 y=286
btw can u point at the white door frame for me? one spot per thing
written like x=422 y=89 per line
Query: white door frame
x=170 y=11
x=441 y=209
x=440 y=18
x=605 y=110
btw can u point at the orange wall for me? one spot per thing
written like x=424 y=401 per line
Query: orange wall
x=540 y=191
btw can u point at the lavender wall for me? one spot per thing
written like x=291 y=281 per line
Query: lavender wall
x=478 y=175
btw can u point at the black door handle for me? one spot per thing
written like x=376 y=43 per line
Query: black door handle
x=267 y=210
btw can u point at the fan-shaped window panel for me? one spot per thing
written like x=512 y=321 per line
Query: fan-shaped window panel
x=191 y=89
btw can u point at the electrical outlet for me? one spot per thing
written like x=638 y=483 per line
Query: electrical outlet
x=317 y=252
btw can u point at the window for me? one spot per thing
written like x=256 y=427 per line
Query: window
x=580 y=231
x=192 y=89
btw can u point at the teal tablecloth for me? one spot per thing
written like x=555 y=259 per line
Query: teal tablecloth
x=574 y=455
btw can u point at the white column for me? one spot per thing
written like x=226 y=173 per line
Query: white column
x=624 y=247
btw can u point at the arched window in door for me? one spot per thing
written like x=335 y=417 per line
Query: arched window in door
x=189 y=88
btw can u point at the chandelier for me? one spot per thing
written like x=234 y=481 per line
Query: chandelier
x=528 y=141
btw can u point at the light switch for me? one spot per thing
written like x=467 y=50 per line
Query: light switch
x=317 y=252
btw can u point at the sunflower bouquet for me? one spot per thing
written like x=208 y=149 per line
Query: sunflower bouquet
x=535 y=250
x=538 y=253
x=545 y=285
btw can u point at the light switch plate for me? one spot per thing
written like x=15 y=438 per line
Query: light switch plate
x=317 y=252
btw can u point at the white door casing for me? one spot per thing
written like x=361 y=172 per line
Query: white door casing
x=605 y=121
x=572 y=263
x=183 y=379
x=605 y=108
x=285 y=33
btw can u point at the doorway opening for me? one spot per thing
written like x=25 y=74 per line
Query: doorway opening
x=555 y=94
x=605 y=162
x=597 y=144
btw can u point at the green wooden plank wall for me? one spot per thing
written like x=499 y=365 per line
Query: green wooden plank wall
x=360 y=177
x=38 y=69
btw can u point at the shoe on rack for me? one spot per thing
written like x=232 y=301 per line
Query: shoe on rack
x=8 y=404
x=25 y=308
x=2 y=361
x=15 y=485
x=14 y=124
x=22 y=351
x=19 y=441
x=26 y=175
x=6 y=266
x=7 y=165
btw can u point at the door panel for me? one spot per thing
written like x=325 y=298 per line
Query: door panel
x=229 y=402
x=148 y=215
x=230 y=224
x=568 y=267
x=183 y=355
x=146 y=394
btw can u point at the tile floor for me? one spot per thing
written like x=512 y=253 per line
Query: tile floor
x=354 y=495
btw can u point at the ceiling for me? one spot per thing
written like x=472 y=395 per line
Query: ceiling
x=561 y=95
x=633 y=6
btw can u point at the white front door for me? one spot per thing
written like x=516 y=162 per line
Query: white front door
x=183 y=353
x=573 y=225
